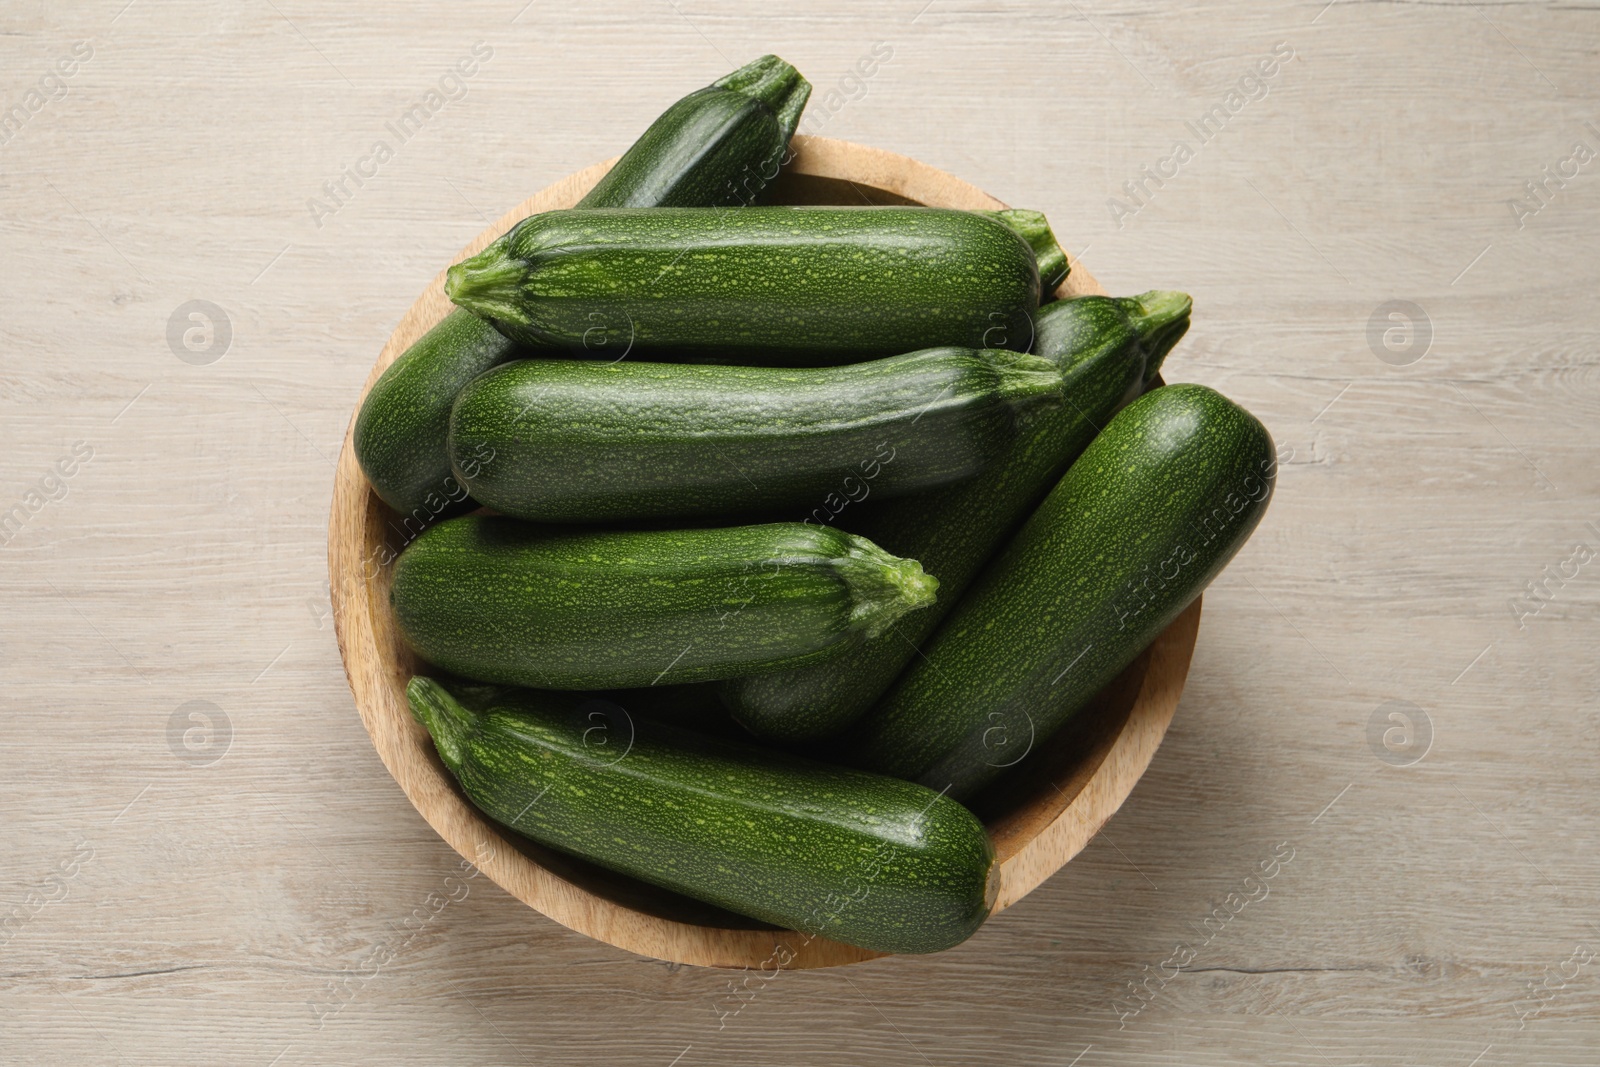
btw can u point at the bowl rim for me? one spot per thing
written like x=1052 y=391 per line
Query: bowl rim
x=1031 y=844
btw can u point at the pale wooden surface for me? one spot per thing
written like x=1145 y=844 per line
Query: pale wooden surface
x=214 y=918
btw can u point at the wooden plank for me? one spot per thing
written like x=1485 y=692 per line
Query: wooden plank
x=233 y=901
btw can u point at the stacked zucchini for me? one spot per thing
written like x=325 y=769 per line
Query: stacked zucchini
x=800 y=525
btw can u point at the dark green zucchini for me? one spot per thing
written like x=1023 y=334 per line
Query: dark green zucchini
x=794 y=285
x=1107 y=350
x=717 y=147
x=1154 y=508
x=498 y=600
x=580 y=441
x=403 y=423
x=720 y=146
x=859 y=858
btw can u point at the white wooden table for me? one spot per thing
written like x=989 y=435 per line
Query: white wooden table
x=258 y=891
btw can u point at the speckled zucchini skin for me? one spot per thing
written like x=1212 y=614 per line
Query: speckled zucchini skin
x=871 y=861
x=717 y=147
x=720 y=146
x=1107 y=350
x=578 y=441
x=798 y=285
x=498 y=600
x=403 y=424
x=1154 y=508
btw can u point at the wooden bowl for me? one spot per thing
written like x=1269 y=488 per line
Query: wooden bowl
x=1039 y=816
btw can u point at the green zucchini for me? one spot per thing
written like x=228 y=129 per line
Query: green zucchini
x=497 y=600
x=401 y=428
x=830 y=852
x=1154 y=508
x=720 y=146
x=1107 y=350
x=580 y=441
x=796 y=285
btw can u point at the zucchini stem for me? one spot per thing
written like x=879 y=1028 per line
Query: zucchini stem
x=488 y=283
x=1159 y=308
x=1034 y=228
x=1160 y=318
x=883 y=587
x=446 y=720
x=1023 y=380
x=776 y=84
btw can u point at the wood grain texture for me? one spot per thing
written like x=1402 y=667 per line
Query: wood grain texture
x=278 y=904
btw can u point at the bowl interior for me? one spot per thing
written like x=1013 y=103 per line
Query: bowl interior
x=1039 y=815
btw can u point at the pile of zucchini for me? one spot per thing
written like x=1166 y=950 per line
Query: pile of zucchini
x=746 y=543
